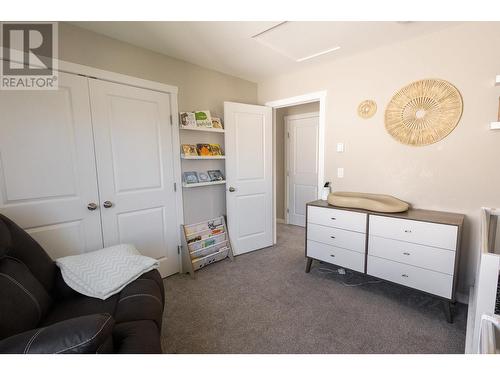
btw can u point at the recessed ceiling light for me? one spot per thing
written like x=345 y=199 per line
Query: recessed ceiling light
x=318 y=54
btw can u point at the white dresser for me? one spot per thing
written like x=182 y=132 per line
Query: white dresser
x=418 y=248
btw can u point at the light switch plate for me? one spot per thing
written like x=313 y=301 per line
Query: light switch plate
x=340 y=172
x=340 y=147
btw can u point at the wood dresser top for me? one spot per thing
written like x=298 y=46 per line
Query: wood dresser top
x=439 y=217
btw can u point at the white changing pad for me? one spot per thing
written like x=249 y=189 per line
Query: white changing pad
x=105 y=272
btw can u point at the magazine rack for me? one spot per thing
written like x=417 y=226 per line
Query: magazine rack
x=204 y=243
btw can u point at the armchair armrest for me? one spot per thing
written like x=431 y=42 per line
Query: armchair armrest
x=85 y=334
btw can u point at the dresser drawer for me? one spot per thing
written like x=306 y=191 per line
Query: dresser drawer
x=335 y=255
x=330 y=217
x=432 y=258
x=420 y=232
x=428 y=281
x=337 y=237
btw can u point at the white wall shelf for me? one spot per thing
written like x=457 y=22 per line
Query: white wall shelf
x=211 y=130
x=201 y=202
x=198 y=184
x=202 y=157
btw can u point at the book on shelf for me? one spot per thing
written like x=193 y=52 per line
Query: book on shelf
x=213 y=225
x=205 y=234
x=203 y=149
x=203 y=177
x=215 y=150
x=203 y=119
x=187 y=120
x=202 y=261
x=217 y=123
x=207 y=250
x=204 y=240
x=190 y=177
x=202 y=244
x=215 y=175
x=189 y=150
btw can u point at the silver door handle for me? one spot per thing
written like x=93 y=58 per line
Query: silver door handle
x=232 y=189
x=107 y=204
x=92 y=206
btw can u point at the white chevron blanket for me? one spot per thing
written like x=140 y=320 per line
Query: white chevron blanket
x=104 y=272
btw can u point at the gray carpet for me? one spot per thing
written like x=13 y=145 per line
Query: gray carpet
x=264 y=302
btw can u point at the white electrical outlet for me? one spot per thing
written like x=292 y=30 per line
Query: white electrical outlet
x=340 y=172
x=340 y=147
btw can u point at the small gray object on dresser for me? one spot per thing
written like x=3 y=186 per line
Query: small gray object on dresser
x=419 y=249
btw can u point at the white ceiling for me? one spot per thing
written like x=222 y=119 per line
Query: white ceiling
x=257 y=50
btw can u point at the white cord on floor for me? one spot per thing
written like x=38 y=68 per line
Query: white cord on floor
x=364 y=283
x=335 y=271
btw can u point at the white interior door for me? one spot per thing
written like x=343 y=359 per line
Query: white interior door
x=133 y=142
x=249 y=179
x=302 y=165
x=47 y=166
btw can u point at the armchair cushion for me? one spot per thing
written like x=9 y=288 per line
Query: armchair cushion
x=79 y=305
x=140 y=300
x=24 y=300
x=140 y=336
x=16 y=243
x=85 y=334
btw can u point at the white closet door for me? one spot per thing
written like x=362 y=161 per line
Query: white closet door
x=302 y=165
x=133 y=142
x=47 y=166
x=249 y=175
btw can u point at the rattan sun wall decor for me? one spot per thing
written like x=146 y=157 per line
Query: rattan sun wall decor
x=367 y=109
x=424 y=112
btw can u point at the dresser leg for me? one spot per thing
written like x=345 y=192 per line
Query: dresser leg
x=308 y=264
x=447 y=311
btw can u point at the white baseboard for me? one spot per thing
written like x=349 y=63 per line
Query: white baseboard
x=471 y=317
x=463 y=298
x=280 y=221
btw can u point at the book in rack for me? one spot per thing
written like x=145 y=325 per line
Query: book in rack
x=204 y=243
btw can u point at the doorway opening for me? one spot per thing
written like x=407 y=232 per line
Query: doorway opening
x=296 y=161
x=298 y=148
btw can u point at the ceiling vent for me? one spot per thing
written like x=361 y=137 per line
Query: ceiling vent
x=299 y=41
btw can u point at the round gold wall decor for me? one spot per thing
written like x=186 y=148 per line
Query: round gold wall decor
x=424 y=112
x=367 y=109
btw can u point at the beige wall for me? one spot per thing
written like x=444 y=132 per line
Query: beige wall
x=199 y=88
x=280 y=150
x=460 y=173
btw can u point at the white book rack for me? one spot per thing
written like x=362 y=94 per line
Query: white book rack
x=204 y=243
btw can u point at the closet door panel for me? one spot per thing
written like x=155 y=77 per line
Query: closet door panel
x=47 y=166
x=133 y=140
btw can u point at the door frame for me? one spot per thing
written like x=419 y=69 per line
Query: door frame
x=105 y=75
x=317 y=96
x=287 y=157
